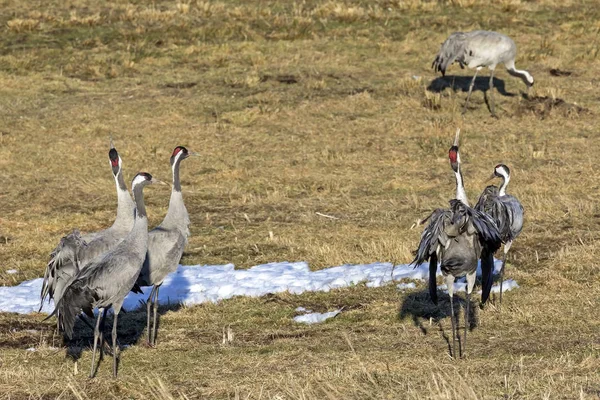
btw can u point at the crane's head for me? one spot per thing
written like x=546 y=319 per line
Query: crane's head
x=453 y=153
x=501 y=171
x=180 y=153
x=528 y=79
x=115 y=161
x=142 y=179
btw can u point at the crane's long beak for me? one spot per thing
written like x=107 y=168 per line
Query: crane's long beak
x=112 y=144
x=194 y=154
x=490 y=178
x=154 y=181
x=456 y=137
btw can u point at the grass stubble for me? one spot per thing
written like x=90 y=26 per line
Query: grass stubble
x=298 y=109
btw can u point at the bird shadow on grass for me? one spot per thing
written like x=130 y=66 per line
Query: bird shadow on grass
x=131 y=327
x=427 y=316
x=454 y=82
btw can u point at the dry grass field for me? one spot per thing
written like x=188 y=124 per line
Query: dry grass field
x=299 y=108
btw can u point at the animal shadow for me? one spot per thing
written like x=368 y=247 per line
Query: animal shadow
x=131 y=330
x=427 y=316
x=455 y=82
x=131 y=327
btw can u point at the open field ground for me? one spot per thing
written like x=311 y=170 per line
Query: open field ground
x=299 y=108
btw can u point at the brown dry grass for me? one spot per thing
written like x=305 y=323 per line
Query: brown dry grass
x=297 y=109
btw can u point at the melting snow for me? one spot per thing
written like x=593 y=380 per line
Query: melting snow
x=197 y=284
x=315 y=318
x=507 y=286
x=12 y=271
x=406 y=286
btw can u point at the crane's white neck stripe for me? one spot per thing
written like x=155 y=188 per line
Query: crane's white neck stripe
x=505 y=180
x=177 y=157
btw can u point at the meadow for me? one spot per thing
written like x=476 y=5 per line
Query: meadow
x=299 y=108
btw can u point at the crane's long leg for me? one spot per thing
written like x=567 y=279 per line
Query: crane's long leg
x=102 y=333
x=470 y=284
x=470 y=90
x=464 y=345
x=155 y=306
x=491 y=90
x=506 y=249
x=114 y=340
x=450 y=285
x=83 y=318
x=148 y=314
x=96 y=337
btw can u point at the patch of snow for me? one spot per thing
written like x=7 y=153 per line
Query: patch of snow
x=32 y=349
x=507 y=286
x=406 y=286
x=12 y=271
x=315 y=318
x=195 y=284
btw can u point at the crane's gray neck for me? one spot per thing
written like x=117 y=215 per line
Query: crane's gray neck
x=138 y=195
x=177 y=212
x=176 y=182
x=125 y=206
x=505 y=180
x=460 y=188
x=521 y=73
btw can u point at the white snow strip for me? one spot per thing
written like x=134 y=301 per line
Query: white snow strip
x=12 y=271
x=315 y=318
x=302 y=309
x=406 y=286
x=197 y=284
x=507 y=286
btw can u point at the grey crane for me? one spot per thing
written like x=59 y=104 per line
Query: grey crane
x=458 y=236
x=166 y=243
x=478 y=49
x=105 y=281
x=75 y=251
x=505 y=210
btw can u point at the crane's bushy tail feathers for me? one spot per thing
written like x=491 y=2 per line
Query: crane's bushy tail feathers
x=486 y=227
x=452 y=50
x=430 y=236
x=490 y=204
x=76 y=298
x=64 y=254
x=137 y=289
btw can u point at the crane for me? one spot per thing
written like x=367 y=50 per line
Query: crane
x=105 y=282
x=478 y=49
x=458 y=236
x=166 y=243
x=505 y=210
x=75 y=250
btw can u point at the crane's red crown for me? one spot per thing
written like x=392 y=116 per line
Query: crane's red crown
x=178 y=149
x=453 y=154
